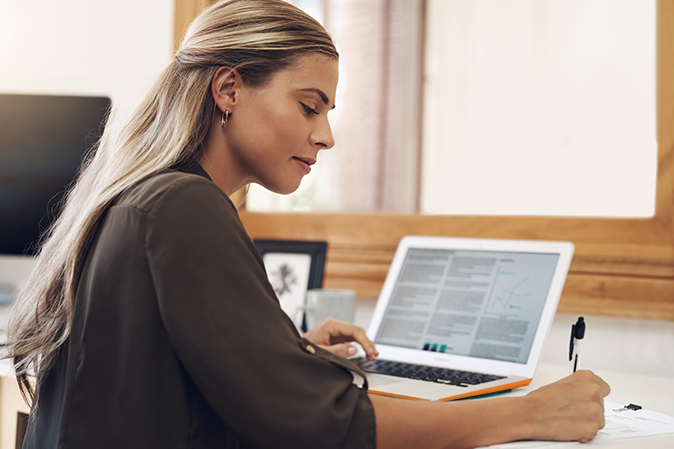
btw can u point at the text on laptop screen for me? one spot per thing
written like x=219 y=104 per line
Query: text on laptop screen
x=470 y=303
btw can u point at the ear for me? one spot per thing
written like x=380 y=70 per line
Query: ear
x=225 y=87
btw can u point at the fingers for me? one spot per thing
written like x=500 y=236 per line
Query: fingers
x=341 y=349
x=358 y=334
x=570 y=409
x=596 y=389
x=331 y=332
x=600 y=388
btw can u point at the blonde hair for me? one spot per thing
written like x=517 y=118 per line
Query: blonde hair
x=255 y=37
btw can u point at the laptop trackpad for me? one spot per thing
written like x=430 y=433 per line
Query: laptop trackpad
x=429 y=391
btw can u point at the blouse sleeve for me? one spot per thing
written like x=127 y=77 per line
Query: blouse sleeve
x=271 y=387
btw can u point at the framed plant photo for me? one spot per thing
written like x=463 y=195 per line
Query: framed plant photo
x=293 y=268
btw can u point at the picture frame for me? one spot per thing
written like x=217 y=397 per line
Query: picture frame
x=294 y=267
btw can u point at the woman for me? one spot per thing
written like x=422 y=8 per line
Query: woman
x=149 y=319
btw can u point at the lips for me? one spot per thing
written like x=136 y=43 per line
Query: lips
x=307 y=160
x=305 y=163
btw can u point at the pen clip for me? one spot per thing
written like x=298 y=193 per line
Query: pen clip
x=579 y=329
x=573 y=333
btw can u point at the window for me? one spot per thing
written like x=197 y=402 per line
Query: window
x=530 y=108
x=540 y=107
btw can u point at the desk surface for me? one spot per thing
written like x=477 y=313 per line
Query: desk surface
x=634 y=356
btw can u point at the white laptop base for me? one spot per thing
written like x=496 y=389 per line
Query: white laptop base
x=478 y=305
x=431 y=391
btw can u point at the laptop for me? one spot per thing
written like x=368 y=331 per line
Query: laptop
x=460 y=317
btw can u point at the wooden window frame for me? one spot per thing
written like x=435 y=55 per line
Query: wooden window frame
x=622 y=266
x=184 y=11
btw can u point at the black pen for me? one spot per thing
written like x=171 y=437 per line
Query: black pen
x=576 y=344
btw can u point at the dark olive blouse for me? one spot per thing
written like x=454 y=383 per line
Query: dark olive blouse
x=178 y=340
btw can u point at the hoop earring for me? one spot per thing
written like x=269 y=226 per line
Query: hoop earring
x=224 y=118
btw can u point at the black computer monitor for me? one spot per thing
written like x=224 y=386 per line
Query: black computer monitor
x=43 y=139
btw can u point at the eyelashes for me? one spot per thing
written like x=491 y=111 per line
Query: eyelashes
x=309 y=111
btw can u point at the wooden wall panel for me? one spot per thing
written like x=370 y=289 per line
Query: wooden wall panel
x=620 y=268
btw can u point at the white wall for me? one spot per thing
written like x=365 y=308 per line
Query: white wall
x=111 y=48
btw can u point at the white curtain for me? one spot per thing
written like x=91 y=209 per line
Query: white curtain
x=374 y=165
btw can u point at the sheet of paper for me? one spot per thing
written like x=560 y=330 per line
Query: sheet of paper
x=619 y=425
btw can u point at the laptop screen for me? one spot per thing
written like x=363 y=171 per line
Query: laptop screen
x=484 y=304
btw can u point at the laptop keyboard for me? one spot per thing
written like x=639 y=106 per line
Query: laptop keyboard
x=424 y=372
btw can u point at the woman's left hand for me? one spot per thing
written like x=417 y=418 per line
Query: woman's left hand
x=333 y=335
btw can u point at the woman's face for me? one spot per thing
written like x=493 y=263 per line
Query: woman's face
x=275 y=131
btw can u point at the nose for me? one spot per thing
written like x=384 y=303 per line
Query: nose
x=322 y=138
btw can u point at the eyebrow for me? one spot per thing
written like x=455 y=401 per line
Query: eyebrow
x=320 y=93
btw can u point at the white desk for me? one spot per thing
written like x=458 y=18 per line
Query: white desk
x=636 y=357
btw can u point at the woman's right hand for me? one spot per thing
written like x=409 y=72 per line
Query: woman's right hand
x=569 y=409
